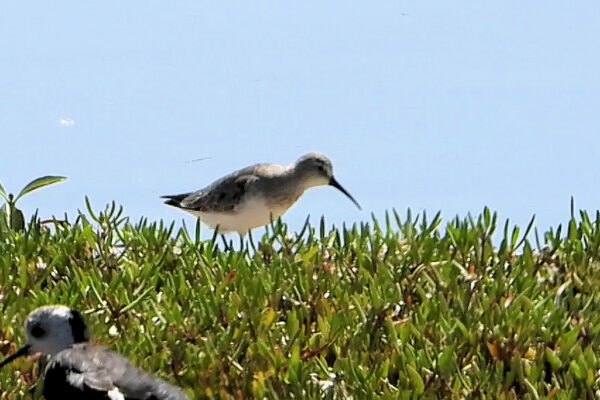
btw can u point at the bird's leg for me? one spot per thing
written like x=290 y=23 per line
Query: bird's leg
x=241 y=243
x=227 y=246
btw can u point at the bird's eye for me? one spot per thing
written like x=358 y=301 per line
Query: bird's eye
x=37 y=331
x=321 y=168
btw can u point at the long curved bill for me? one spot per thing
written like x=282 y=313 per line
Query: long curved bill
x=23 y=351
x=335 y=184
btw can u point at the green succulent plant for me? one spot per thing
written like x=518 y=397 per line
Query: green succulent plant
x=12 y=218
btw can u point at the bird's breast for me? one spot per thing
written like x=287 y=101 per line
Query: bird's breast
x=254 y=211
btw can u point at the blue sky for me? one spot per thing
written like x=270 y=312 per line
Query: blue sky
x=427 y=105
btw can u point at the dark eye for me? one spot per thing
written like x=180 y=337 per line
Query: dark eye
x=321 y=168
x=37 y=331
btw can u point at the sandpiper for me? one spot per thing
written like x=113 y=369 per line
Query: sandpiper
x=80 y=370
x=256 y=195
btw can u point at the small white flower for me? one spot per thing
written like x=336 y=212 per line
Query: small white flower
x=40 y=264
x=113 y=331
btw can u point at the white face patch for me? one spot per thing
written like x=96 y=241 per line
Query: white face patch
x=59 y=311
x=315 y=180
x=48 y=329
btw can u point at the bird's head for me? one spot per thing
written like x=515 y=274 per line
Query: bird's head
x=315 y=169
x=51 y=329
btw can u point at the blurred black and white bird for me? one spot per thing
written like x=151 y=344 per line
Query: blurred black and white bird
x=78 y=369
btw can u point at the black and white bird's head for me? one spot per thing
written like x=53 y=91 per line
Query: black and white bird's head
x=51 y=329
x=315 y=169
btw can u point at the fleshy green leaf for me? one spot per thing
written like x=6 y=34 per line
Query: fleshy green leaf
x=4 y=218
x=553 y=359
x=17 y=220
x=3 y=193
x=11 y=218
x=445 y=360
x=576 y=370
x=39 y=183
x=415 y=379
x=293 y=324
x=294 y=365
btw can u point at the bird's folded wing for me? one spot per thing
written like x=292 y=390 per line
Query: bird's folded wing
x=99 y=381
x=95 y=368
x=222 y=196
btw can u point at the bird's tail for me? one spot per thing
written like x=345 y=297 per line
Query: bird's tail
x=174 y=200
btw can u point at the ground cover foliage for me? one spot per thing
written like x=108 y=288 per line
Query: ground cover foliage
x=403 y=308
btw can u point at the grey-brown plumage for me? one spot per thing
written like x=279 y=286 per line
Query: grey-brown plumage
x=223 y=195
x=254 y=196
